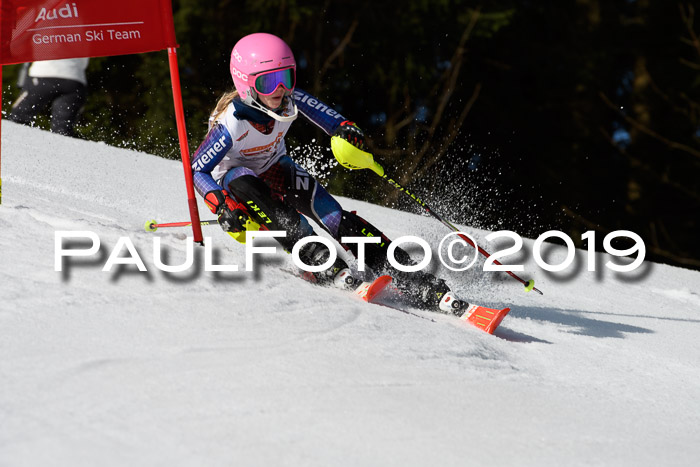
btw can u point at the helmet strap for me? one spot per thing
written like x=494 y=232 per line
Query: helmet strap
x=253 y=102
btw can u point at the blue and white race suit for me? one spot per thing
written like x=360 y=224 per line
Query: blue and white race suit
x=244 y=153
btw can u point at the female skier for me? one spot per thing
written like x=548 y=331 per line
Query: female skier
x=242 y=170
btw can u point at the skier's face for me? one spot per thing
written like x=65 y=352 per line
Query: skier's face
x=273 y=101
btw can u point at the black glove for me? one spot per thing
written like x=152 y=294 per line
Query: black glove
x=351 y=132
x=231 y=215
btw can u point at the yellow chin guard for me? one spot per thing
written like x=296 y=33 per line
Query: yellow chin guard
x=352 y=157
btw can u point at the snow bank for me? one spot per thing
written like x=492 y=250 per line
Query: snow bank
x=198 y=368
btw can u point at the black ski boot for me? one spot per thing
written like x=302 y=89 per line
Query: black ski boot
x=431 y=293
x=338 y=275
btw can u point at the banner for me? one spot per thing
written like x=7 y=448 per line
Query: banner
x=33 y=30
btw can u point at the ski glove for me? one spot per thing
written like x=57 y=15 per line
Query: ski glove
x=351 y=132
x=232 y=216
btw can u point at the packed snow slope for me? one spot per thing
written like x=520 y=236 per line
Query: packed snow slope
x=261 y=368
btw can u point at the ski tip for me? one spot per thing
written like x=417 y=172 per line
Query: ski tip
x=486 y=319
x=379 y=284
x=496 y=320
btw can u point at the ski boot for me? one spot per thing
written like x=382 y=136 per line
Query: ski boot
x=450 y=304
x=430 y=293
x=339 y=274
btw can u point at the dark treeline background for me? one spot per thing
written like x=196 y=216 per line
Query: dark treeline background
x=573 y=115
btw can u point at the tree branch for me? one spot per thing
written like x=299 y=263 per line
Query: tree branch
x=650 y=248
x=648 y=131
x=340 y=49
x=688 y=18
x=451 y=76
x=453 y=133
x=646 y=168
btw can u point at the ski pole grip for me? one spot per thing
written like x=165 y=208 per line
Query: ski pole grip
x=354 y=158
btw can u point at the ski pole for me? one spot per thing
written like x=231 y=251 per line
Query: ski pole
x=240 y=236
x=354 y=158
x=529 y=285
x=152 y=225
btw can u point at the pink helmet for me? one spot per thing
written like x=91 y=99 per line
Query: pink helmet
x=260 y=63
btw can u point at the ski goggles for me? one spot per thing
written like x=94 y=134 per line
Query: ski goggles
x=267 y=82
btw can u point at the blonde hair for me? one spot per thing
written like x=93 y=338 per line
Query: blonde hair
x=221 y=105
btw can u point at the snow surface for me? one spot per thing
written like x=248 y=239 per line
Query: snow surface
x=203 y=368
